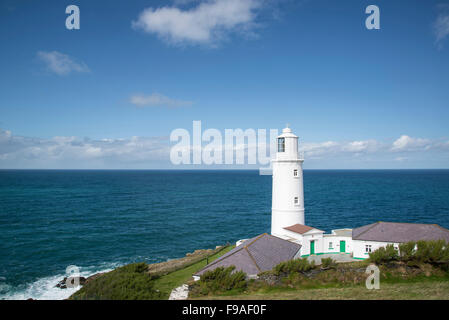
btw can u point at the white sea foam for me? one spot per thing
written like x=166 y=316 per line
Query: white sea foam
x=45 y=288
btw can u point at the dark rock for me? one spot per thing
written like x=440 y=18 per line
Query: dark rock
x=63 y=285
x=312 y=273
x=93 y=277
x=270 y=278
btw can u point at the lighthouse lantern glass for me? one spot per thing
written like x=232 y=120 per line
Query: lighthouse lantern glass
x=281 y=144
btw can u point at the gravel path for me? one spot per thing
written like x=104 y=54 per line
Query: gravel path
x=179 y=293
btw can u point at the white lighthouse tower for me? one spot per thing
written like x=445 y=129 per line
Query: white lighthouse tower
x=287 y=206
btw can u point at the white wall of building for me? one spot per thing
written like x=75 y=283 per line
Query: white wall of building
x=291 y=236
x=332 y=244
x=360 y=247
x=317 y=238
x=322 y=243
x=304 y=240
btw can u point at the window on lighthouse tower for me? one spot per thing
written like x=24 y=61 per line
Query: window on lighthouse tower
x=281 y=144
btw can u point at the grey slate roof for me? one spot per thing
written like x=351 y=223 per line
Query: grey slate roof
x=400 y=232
x=261 y=253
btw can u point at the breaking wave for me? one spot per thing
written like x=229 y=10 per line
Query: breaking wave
x=45 y=288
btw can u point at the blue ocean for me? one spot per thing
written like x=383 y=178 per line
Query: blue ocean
x=100 y=219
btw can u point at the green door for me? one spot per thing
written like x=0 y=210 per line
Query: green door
x=342 y=246
x=312 y=247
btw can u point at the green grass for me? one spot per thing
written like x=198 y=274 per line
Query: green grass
x=165 y=284
x=399 y=280
x=426 y=290
x=346 y=281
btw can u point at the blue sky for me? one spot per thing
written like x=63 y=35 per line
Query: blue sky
x=108 y=95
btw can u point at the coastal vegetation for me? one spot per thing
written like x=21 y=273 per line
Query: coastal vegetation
x=130 y=282
x=328 y=263
x=415 y=271
x=166 y=283
x=220 y=280
x=141 y=281
x=435 y=253
x=341 y=281
x=423 y=290
x=294 y=266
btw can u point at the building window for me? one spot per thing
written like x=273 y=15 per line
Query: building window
x=368 y=248
x=296 y=200
x=295 y=172
x=330 y=245
x=281 y=144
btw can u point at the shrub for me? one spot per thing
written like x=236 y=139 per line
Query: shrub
x=407 y=251
x=414 y=253
x=130 y=282
x=422 y=251
x=219 y=280
x=384 y=255
x=434 y=252
x=439 y=252
x=294 y=266
x=327 y=263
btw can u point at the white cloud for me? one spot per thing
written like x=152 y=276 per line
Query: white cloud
x=149 y=152
x=405 y=142
x=321 y=148
x=158 y=100
x=347 y=147
x=60 y=63
x=441 y=25
x=362 y=146
x=73 y=152
x=442 y=145
x=206 y=23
